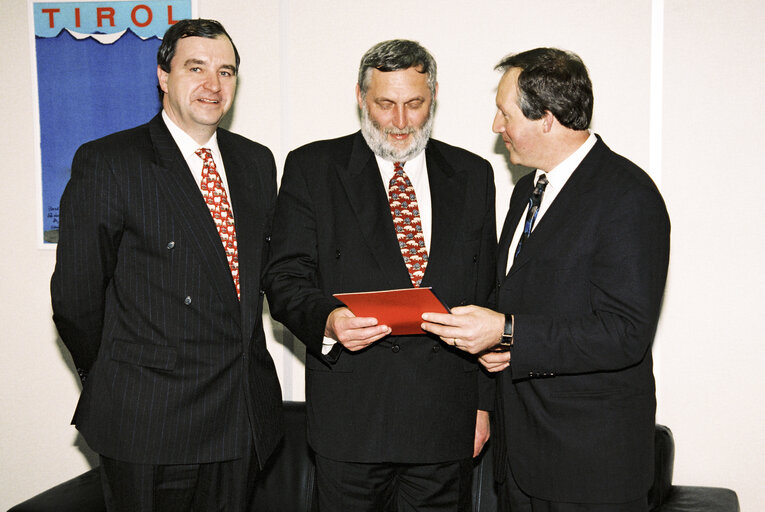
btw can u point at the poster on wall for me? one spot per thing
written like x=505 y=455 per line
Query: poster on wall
x=95 y=65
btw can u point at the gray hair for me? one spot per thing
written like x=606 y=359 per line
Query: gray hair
x=394 y=55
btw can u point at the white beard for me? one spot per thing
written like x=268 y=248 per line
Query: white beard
x=376 y=137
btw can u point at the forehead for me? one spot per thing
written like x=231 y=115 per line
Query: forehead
x=507 y=90
x=400 y=83
x=196 y=47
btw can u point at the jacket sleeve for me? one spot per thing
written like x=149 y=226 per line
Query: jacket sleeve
x=90 y=230
x=622 y=283
x=485 y=282
x=292 y=275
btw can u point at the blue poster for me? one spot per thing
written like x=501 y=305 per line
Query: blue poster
x=96 y=74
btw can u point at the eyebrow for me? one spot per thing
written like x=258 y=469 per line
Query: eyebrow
x=203 y=62
x=409 y=100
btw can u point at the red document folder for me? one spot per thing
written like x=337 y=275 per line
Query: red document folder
x=401 y=310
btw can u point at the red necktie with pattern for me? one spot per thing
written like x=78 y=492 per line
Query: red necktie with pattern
x=217 y=201
x=406 y=221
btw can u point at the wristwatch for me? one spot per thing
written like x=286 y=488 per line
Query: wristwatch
x=506 y=341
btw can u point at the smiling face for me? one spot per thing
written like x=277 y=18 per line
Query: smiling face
x=200 y=86
x=522 y=136
x=396 y=113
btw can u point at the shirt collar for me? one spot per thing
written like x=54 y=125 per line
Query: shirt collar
x=559 y=175
x=413 y=167
x=187 y=144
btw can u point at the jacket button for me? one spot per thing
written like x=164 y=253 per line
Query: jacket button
x=262 y=292
x=187 y=300
x=436 y=348
x=337 y=254
x=475 y=258
x=170 y=245
x=395 y=348
x=268 y=239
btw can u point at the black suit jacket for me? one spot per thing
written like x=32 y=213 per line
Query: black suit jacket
x=406 y=398
x=177 y=367
x=577 y=404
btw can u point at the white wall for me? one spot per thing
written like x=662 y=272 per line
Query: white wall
x=296 y=85
x=713 y=181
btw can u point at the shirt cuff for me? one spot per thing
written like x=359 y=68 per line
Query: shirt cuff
x=326 y=345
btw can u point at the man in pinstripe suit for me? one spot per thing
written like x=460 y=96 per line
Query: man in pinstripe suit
x=180 y=397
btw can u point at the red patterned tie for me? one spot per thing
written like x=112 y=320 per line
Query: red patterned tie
x=217 y=200
x=406 y=220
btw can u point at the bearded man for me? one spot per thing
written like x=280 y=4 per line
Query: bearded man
x=393 y=420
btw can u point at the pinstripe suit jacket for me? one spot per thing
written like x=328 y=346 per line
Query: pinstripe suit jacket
x=177 y=368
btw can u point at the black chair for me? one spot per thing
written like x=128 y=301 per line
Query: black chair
x=665 y=497
x=288 y=481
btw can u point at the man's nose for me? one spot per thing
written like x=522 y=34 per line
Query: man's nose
x=399 y=118
x=498 y=125
x=212 y=82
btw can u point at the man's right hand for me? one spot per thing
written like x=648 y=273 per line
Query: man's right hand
x=353 y=332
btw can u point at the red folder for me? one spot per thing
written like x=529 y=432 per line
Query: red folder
x=401 y=310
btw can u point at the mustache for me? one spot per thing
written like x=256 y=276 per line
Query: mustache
x=391 y=130
x=399 y=131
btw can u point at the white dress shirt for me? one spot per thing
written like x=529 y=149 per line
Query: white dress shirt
x=417 y=170
x=189 y=146
x=556 y=178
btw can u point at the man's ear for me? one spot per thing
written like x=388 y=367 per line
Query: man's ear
x=548 y=120
x=162 y=78
x=358 y=96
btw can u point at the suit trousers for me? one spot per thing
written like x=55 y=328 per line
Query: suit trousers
x=393 y=487
x=512 y=499
x=216 y=486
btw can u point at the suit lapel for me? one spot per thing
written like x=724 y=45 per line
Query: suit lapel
x=447 y=199
x=518 y=206
x=564 y=210
x=369 y=201
x=182 y=193
x=249 y=204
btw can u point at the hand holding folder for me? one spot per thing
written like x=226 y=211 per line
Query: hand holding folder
x=401 y=310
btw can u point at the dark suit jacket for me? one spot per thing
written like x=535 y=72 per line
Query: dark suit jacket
x=578 y=401
x=406 y=398
x=177 y=368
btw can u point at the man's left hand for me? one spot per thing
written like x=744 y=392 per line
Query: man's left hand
x=469 y=328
